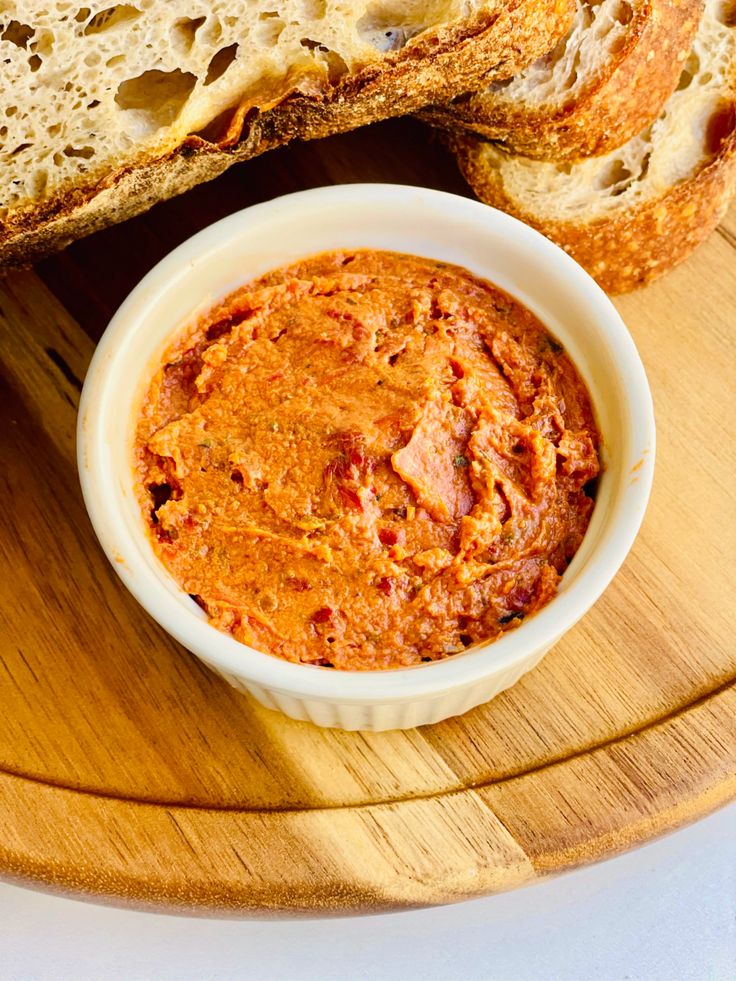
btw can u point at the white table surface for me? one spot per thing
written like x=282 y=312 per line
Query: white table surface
x=665 y=912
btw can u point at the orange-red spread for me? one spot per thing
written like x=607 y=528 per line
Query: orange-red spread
x=367 y=460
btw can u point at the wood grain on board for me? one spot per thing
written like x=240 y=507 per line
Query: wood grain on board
x=130 y=773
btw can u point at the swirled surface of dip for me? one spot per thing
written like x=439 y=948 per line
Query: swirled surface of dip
x=367 y=460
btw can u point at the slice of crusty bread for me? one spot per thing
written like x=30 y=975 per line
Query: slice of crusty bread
x=605 y=81
x=108 y=109
x=632 y=214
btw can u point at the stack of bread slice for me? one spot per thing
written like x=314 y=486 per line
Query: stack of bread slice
x=620 y=144
x=107 y=108
x=610 y=125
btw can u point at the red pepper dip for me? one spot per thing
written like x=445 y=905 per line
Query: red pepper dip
x=366 y=461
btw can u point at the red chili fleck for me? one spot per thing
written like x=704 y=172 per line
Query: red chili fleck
x=518 y=599
x=349 y=440
x=387 y=536
x=322 y=615
x=351 y=496
x=334 y=314
x=385 y=585
x=334 y=469
x=298 y=585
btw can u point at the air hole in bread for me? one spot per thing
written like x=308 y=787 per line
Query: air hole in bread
x=691 y=69
x=17 y=33
x=34 y=63
x=270 y=28
x=85 y=152
x=498 y=86
x=573 y=71
x=585 y=13
x=112 y=17
x=314 y=9
x=213 y=30
x=617 y=178
x=617 y=44
x=727 y=14
x=556 y=54
x=621 y=16
x=43 y=43
x=220 y=63
x=154 y=99
x=393 y=39
x=39 y=180
x=82 y=15
x=623 y=13
x=185 y=30
x=388 y=26
x=218 y=129
x=721 y=126
x=336 y=67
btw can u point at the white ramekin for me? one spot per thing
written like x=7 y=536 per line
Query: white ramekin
x=375 y=216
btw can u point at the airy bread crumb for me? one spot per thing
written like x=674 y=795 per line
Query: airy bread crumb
x=85 y=86
x=107 y=110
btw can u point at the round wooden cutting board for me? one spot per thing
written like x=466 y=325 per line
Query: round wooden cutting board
x=130 y=773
